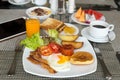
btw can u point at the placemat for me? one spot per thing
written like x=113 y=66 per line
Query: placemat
x=7 y=57
x=106 y=49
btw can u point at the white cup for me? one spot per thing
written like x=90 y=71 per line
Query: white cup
x=19 y=1
x=39 y=2
x=100 y=29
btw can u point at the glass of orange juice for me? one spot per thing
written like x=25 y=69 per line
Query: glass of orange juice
x=32 y=27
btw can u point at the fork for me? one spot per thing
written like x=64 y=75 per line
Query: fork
x=106 y=72
x=18 y=48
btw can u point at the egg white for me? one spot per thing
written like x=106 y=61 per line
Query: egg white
x=53 y=62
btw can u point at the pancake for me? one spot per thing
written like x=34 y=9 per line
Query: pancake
x=82 y=57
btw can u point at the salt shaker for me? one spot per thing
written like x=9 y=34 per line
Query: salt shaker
x=54 y=6
x=71 y=6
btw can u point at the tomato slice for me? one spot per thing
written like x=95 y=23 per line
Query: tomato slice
x=46 y=50
x=55 y=47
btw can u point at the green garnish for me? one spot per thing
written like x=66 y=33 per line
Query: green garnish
x=53 y=33
x=33 y=42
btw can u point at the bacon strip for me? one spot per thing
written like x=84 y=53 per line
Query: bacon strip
x=36 y=58
x=31 y=59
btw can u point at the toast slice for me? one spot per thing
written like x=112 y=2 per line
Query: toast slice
x=51 y=23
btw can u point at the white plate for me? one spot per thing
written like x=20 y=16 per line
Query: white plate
x=21 y=3
x=85 y=33
x=76 y=70
x=77 y=21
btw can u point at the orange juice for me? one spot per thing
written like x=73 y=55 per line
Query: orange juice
x=32 y=27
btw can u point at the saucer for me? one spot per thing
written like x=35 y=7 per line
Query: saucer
x=21 y=3
x=85 y=33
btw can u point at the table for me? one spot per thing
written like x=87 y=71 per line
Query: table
x=108 y=51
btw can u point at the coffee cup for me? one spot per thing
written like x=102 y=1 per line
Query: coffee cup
x=100 y=29
x=39 y=2
x=19 y=1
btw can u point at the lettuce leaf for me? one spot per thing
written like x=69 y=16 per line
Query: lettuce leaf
x=33 y=42
x=53 y=33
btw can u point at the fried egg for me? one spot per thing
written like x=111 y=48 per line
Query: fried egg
x=59 y=62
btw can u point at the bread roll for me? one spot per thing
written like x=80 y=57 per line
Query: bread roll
x=82 y=57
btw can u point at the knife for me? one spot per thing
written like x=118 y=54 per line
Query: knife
x=118 y=55
x=106 y=72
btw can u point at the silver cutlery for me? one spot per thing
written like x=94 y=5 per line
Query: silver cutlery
x=118 y=55
x=18 y=48
x=109 y=40
x=107 y=74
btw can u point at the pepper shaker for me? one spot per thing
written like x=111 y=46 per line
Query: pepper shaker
x=61 y=7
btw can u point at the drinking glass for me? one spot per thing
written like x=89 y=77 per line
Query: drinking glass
x=32 y=27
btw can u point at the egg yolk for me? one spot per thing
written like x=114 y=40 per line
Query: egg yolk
x=62 y=59
x=69 y=30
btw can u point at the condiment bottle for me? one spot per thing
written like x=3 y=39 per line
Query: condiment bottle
x=71 y=6
x=54 y=6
